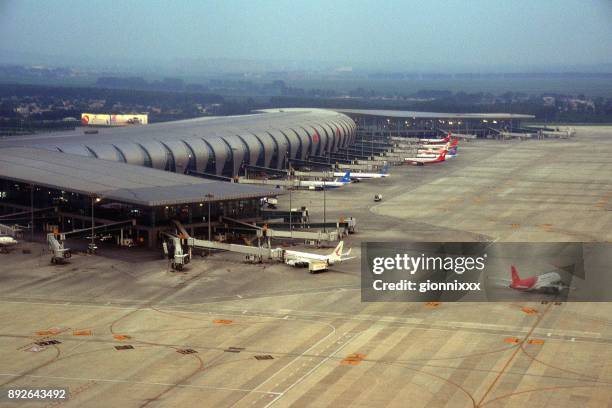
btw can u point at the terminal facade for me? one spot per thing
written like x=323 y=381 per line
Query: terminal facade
x=414 y=124
x=218 y=146
x=140 y=173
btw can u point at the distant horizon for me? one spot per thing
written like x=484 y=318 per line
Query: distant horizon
x=197 y=37
x=175 y=67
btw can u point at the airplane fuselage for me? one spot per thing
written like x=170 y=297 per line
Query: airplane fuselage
x=321 y=184
x=546 y=281
x=362 y=176
x=304 y=257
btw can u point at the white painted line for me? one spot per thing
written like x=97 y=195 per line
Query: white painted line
x=292 y=361
x=299 y=380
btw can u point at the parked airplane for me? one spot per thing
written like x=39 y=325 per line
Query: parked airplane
x=436 y=141
x=546 y=282
x=7 y=241
x=320 y=184
x=362 y=176
x=463 y=136
x=297 y=258
x=421 y=161
x=452 y=153
x=448 y=145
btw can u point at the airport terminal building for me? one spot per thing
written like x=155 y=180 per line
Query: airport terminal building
x=151 y=175
x=415 y=124
x=140 y=173
x=219 y=145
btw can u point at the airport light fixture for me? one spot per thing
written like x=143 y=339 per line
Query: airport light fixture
x=290 y=203
x=92 y=245
x=324 y=208
x=32 y=212
x=209 y=197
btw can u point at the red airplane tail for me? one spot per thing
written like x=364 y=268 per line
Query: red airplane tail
x=515 y=275
x=442 y=156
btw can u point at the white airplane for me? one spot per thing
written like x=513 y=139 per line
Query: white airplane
x=436 y=141
x=431 y=152
x=362 y=176
x=297 y=258
x=447 y=145
x=547 y=282
x=7 y=241
x=320 y=184
x=421 y=161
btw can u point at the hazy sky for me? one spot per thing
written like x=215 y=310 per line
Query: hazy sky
x=345 y=32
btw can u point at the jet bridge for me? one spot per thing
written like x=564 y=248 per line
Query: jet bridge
x=10 y=230
x=258 y=253
x=173 y=250
x=56 y=240
x=265 y=232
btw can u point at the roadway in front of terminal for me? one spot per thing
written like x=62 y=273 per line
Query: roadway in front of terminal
x=225 y=333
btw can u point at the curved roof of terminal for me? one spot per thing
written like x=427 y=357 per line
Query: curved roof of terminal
x=116 y=181
x=199 y=127
x=32 y=159
x=431 y=115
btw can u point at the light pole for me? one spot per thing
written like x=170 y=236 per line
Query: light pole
x=209 y=197
x=32 y=213
x=324 y=208
x=290 y=204
x=92 y=245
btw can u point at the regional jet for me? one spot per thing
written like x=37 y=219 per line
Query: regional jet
x=296 y=258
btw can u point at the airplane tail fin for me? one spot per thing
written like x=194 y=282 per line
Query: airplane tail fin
x=515 y=275
x=337 y=254
x=442 y=156
x=347 y=177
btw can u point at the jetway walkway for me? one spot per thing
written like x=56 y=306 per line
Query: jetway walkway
x=279 y=182
x=258 y=252
x=344 y=226
x=10 y=230
x=266 y=232
x=59 y=254
x=113 y=226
